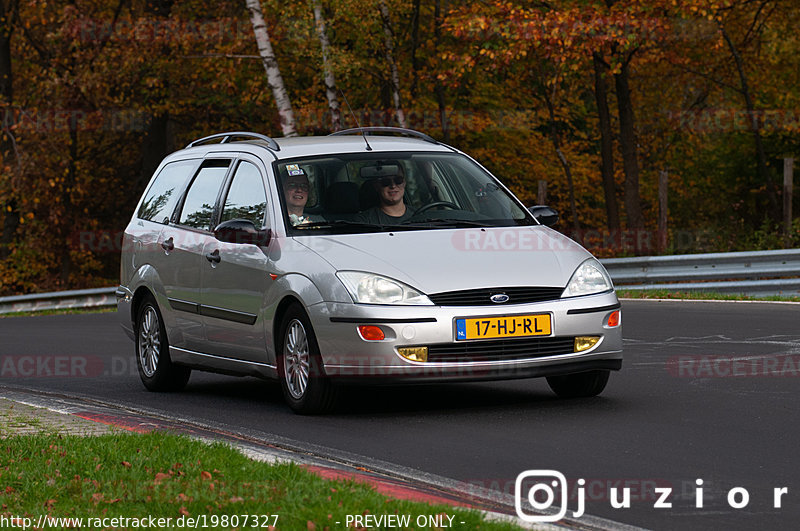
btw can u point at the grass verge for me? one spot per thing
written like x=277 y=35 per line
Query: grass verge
x=697 y=295
x=63 y=311
x=168 y=476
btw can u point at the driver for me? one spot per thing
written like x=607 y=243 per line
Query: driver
x=391 y=210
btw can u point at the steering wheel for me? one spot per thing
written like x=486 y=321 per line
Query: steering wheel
x=425 y=208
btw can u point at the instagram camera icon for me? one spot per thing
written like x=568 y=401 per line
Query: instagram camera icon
x=541 y=495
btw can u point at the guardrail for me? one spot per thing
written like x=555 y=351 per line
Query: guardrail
x=758 y=273
x=59 y=300
x=752 y=273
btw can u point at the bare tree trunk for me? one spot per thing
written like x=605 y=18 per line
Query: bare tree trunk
x=628 y=147
x=66 y=198
x=606 y=143
x=439 y=87
x=414 y=45
x=274 y=79
x=389 y=49
x=330 y=80
x=761 y=156
x=159 y=139
x=554 y=138
x=6 y=78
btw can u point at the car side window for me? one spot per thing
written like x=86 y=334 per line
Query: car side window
x=160 y=200
x=198 y=207
x=246 y=197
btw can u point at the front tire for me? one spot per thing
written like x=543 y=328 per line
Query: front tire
x=156 y=369
x=579 y=385
x=305 y=387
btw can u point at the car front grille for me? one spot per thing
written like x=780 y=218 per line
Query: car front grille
x=500 y=349
x=481 y=297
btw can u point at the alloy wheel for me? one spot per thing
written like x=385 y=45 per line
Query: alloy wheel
x=296 y=359
x=149 y=341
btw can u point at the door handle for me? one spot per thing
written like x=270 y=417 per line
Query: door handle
x=168 y=244
x=213 y=257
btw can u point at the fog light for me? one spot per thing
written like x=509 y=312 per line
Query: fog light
x=613 y=319
x=585 y=342
x=371 y=333
x=414 y=353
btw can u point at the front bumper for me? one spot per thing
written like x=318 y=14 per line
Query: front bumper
x=346 y=356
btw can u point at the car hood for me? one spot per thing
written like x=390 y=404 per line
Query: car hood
x=435 y=261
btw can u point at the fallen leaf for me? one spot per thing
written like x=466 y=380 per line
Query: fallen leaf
x=126 y=464
x=160 y=477
x=183 y=511
x=205 y=475
x=311 y=526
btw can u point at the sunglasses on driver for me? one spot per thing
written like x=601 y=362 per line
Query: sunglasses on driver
x=386 y=182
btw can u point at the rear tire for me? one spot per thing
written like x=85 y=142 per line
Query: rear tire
x=305 y=387
x=579 y=385
x=156 y=369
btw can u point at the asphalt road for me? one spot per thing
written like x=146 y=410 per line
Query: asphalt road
x=708 y=391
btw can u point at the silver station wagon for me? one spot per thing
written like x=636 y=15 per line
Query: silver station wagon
x=370 y=255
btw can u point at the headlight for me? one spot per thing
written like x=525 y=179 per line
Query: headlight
x=589 y=278
x=368 y=288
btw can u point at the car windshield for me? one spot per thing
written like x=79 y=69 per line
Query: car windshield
x=354 y=193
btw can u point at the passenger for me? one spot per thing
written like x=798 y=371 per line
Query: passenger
x=391 y=210
x=296 y=189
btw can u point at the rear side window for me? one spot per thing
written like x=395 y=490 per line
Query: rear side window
x=198 y=207
x=160 y=200
x=246 y=198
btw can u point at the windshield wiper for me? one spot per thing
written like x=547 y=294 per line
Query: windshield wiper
x=339 y=223
x=457 y=223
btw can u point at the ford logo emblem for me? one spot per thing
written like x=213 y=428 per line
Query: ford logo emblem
x=499 y=298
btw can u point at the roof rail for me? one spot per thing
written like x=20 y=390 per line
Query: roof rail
x=226 y=138
x=393 y=130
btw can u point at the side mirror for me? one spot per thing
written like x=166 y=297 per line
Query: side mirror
x=544 y=214
x=242 y=231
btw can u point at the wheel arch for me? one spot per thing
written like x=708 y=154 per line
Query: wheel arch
x=280 y=311
x=146 y=282
x=141 y=293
